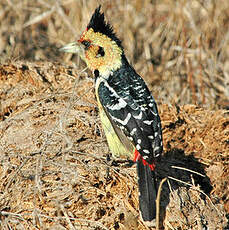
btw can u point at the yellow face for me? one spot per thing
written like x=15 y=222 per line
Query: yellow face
x=100 y=52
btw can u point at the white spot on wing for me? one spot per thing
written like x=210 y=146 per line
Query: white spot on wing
x=138 y=147
x=143 y=108
x=121 y=104
x=148 y=122
x=156 y=148
x=133 y=131
x=139 y=116
x=138 y=87
x=123 y=122
x=142 y=90
x=150 y=104
x=146 y=151
x=139 y=141
x=155 y=114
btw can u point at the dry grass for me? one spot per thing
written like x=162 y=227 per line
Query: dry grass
x=53 y=158
x=53 y=169
x=181 y=48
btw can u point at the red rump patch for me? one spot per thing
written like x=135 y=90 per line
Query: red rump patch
x=137 y=157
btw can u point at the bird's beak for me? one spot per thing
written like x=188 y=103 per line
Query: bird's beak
x=74 y=47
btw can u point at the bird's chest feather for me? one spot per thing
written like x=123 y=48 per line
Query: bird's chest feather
x=118 y=143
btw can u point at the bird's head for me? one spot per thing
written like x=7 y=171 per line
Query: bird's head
x=98 y=46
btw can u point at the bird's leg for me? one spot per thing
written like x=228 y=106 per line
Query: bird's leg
x=118 y=162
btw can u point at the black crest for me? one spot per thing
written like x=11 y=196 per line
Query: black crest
x=98 y=24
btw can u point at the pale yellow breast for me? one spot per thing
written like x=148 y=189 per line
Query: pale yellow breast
x=118 y=143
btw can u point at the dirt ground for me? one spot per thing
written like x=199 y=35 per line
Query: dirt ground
x=54 y=172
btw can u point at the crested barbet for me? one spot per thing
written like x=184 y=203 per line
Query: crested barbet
x=128 y=112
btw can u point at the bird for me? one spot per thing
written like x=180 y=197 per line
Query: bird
x=127 y=109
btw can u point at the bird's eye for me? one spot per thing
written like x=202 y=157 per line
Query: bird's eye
x=87 y=44
x=101 y=52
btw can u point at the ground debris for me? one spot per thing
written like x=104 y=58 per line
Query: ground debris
x=53 y=158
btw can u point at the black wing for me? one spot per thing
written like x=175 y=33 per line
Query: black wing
x=134 y=116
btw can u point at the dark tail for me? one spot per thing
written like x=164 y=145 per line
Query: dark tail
x=147 y=191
